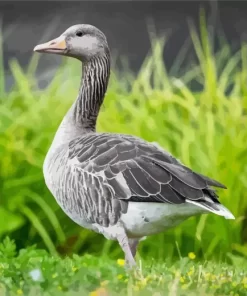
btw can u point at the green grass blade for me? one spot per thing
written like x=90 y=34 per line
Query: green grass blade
x=49 y=214
x=40 y=229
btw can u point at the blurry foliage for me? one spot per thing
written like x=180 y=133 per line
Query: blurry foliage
x=205 y=129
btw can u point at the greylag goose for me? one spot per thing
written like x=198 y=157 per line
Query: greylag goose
x=115 y=184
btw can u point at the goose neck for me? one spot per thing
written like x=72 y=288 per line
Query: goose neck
x=82 y=116
x=93 y=87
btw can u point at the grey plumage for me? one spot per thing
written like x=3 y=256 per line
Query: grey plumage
x=101 y=170
x=98 y=179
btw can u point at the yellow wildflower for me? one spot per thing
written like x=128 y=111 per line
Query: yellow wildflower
x=191 y=271
x=19 y=292
x=121 y=262
x=182 y=280
x=119 y=276
x=192 y=255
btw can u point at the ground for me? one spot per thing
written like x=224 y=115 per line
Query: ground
x=35 y=272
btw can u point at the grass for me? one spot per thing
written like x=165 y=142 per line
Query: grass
x=204 y=128
x=35 y=272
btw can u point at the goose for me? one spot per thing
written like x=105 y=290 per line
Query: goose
x=118 y=185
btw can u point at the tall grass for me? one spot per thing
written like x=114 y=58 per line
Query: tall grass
x=205 y=129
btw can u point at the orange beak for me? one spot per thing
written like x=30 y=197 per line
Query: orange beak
x=57 y=45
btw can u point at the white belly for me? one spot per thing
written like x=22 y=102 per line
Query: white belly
x=143 y=219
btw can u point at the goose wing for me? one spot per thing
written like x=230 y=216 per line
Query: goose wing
x=115 y=169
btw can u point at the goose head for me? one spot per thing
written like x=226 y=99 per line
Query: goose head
x=82 y=42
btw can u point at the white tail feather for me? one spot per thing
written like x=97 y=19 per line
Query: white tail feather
x=222 y=211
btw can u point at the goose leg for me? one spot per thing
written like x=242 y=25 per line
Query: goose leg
x=124 y=244
x=133 y=243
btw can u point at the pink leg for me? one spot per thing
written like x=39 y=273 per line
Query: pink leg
x=125 y=245
x=133 y=243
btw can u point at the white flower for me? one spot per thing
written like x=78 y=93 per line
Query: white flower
x=36 y=275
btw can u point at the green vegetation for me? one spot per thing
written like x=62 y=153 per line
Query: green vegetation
x=35 y=272
x=205 y=129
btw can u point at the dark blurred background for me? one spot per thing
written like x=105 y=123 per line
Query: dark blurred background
x=125 y=24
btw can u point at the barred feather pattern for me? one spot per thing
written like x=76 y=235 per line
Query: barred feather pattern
x=83 y=195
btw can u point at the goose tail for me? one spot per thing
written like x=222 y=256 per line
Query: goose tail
x=216 y=208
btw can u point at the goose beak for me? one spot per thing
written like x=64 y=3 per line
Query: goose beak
x=57 y=45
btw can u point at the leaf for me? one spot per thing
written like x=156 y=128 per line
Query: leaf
x=40 y=229
x=15 y=221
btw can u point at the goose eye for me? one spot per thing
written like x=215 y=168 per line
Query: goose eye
x=79 y=34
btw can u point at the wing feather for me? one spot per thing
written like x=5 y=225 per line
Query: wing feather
x=185 y=175
x=115 y=169
x=135 y=187
x=159 y=174
x=186 y=191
